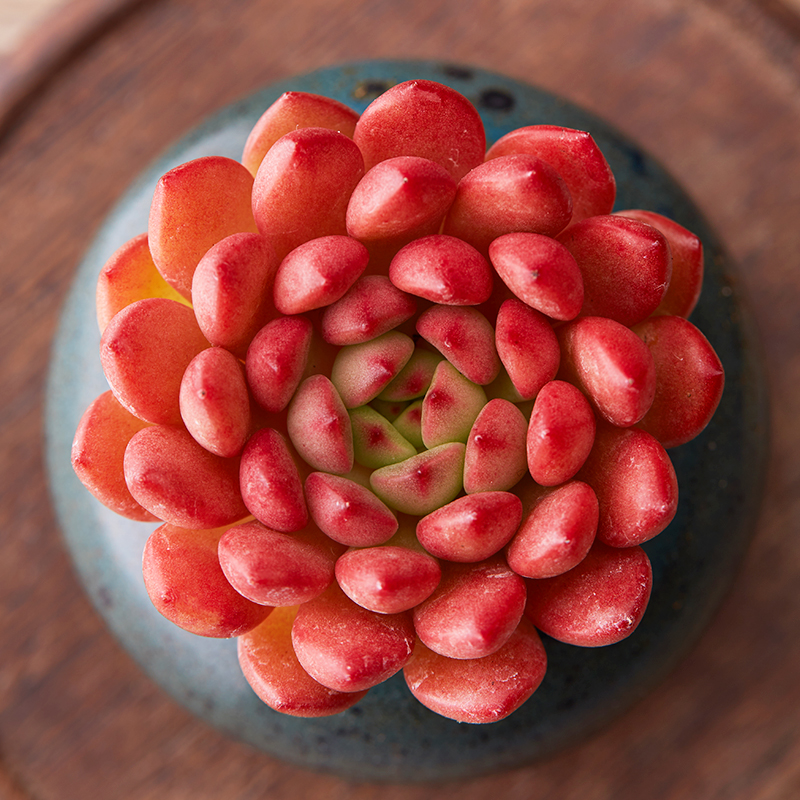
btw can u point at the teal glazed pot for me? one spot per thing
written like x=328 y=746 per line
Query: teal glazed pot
x=389 y=736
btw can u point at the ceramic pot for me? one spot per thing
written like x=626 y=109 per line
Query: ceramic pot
x=389 y=736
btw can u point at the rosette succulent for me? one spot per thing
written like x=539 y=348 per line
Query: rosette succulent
x=397 y=401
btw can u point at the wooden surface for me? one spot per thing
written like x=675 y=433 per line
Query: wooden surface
x=712 y=89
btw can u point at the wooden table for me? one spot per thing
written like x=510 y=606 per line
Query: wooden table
x=713 y=89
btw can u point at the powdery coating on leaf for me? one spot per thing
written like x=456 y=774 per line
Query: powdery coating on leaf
x=426 y=119
x=409 y=424
x=144 y=351
x=98 y=451
x=450 y=406
x=626 y=266
x=599 y=602
x=214 y=402
x=348 y=512
x=319 y=426
x=686 y=281
x=303 y=185
x=541 y=272
x=422 y=483
x=414 y=379
x=317 y=273
x=465 y=337
x=473 y=611
x=509 y=194
x=560 y=433
x=270 y=482
x=186 y=584
x=371 y=307
x=276 y=569
x=376 y=442
x=349 y=648
x=180 y=482
x=232 y=290
x=270 y=666
x=276 y=360
x=611 y=365
x=361 y=372
x=127 y=276
x=527 y=347
x=387 y=579
x=293 y=110
x=480 y=690
x=195 y=205
x=575 y=156
x=635 y=484
x=495 y=458
x=689 y=379
x=471 y=528
x=442 y=269
x=558 y=529
x=400 y=199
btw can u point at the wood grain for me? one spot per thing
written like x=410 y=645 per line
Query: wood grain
x=49 y=36
x=710 y=87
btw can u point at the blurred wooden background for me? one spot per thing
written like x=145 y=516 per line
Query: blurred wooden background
x=92 y=90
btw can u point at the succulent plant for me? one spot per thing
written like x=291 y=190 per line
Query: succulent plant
x=397 y=401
